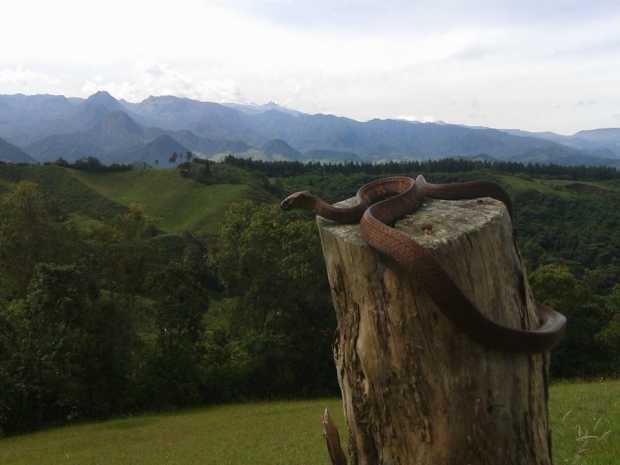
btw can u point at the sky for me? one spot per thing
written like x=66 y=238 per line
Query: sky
x=539 y=65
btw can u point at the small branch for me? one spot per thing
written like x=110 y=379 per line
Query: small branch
x=332 y=438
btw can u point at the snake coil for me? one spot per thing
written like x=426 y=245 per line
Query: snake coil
x=380 y=203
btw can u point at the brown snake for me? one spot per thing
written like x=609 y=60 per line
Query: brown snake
x=381 y=203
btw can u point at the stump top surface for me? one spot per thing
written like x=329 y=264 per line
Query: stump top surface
x=434 y=223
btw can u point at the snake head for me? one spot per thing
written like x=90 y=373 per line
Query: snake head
x=420 y=182
x=303 y=199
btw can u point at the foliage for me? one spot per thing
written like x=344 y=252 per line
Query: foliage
x=181 y=302
x=60 y=185
x=444 y=165
x=590 y=347
x=81 y=326
x=196 y=169
x=93 y=165
x=282 y=316
x=67 y=351
x=27 y=236
x=109 y=305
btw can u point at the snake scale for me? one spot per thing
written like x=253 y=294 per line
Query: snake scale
x=381 y=202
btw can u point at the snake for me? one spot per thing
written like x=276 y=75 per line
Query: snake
x=380 y=203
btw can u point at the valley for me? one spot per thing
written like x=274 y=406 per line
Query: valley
x=197 y=287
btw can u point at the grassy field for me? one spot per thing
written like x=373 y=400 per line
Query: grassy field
x=585 y=420
x=67 y=192
x=176 y=203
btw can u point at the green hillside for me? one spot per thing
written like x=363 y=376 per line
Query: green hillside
x=67 y=192
x=585 y=419
x=175 y=203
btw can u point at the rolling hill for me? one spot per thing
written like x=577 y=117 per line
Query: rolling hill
x=156 y=152
x=175 y=203
x=69 y=195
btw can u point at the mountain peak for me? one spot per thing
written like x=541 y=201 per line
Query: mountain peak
x=101 y=94
x=104 y=99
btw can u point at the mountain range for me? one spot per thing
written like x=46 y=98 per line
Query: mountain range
x=11 y=153
x=47 y=127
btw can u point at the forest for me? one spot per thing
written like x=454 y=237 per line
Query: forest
x=122 y=316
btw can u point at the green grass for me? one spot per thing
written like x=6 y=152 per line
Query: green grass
x=526 y=183
x=67 y=192
x=585 y=419
x=613 y=184
x=250 y=434
x=176 y=203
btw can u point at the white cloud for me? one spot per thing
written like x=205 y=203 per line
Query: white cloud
x=412 y=118
x=20 y=79
x=161 y=79
x=527 y=63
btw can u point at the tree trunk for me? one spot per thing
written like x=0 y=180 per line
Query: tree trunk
x=417 y=391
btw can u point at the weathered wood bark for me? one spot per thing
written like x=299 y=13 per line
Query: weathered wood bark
x=416 y=391
x=332 y=441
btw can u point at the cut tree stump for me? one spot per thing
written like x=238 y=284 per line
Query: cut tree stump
x=417 y=391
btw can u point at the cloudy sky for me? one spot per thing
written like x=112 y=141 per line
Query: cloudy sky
x=529 y=64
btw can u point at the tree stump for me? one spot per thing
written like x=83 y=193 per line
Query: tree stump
x=417 y=391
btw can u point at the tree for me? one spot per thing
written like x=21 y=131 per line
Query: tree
x=88 y=164
x=182 y=302
x=28 y=235
x=556 y=286
x=580 y=353
x=70 y=351
x=264 y=258
x=609 y=336
x=173 y=157
x=135 y=224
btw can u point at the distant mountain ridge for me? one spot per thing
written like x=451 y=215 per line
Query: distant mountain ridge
x=277 y=147
x=156 y=152
x=107 y=132
x=604 y=142
x=13 y=154
x=48 y=127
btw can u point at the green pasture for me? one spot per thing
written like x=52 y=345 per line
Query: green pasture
x=585 y=419
x=174 y=202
